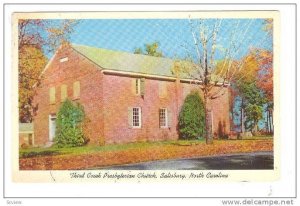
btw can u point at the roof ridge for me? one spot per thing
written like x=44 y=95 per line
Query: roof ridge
x=123 y=52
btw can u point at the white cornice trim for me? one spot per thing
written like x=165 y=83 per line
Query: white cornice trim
x=135 y=74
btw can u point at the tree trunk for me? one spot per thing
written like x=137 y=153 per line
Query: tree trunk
x=242 y=118
x=271 y=122
x=231 y=105
x=208 y=122
x=207 y=101
x=268 y=122
x=255 y=128
x=232 y=119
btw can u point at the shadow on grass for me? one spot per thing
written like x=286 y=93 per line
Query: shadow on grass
x=188 y=142
x=40 y=153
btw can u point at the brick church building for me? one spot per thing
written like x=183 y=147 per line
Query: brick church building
x=126 y=97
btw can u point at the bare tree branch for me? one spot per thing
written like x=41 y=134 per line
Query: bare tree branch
x=195 y=42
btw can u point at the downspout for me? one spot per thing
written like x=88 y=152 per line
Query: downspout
x=178 y=97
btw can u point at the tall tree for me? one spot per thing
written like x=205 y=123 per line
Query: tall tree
x=47 y=35
x=251 y=96
x=265 y=83
x=265 y=75
x=257 y=69
x=252 y=102
x=206 y=42
x=36 y=38
x=31 y=63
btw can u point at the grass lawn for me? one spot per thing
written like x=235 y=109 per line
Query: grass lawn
x=37 y=152
x=95 y=156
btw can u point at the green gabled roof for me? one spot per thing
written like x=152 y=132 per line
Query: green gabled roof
x=128 y=62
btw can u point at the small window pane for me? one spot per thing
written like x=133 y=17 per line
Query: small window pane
x=163 y=117
x=136 y=117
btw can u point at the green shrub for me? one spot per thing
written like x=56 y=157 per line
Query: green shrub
x=192 y=117
x=69 y=125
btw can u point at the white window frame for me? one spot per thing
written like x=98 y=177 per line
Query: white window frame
x=166 y=118
x=140 y=117
x=137 y=86
x=51 y=117
x=64 y=59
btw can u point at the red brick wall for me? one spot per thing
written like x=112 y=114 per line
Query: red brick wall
x=118 y=97
x=220 y=111
x=106 y=99
x=77 y=68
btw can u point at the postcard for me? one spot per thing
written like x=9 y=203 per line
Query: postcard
x=113 y=100
x=166 y=100
x=146 y=96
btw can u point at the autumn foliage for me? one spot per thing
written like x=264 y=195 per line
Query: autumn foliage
x=36 y=38
x=251 y=89
x=31 y=63
x=127 y=154
x=265 y=75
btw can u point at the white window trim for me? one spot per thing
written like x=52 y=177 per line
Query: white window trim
x=64 y=59
x=140 y=118
x=139 y=86
x=51 y=116
x=166 y=118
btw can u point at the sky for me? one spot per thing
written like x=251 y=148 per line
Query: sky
x=174 y=35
